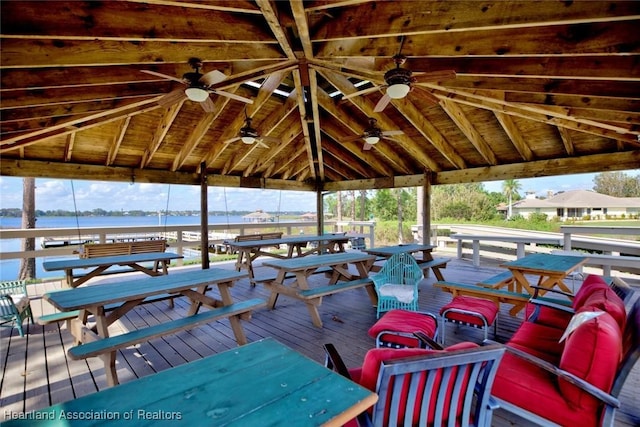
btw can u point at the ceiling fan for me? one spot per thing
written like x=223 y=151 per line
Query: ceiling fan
x=373 y=134
x=249 y=135
x=198 y=87
x=400 y=81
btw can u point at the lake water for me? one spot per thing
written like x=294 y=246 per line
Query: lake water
x=9 y=268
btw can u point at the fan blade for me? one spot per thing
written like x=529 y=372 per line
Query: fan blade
x=164 y=76
x=232 y=96
x=391 y=139
x=351 y=138
x=384 y=101
x=262 y=144
x=425 y=95
x=434 y=76
x=361 y=92
x=208 y=106
x=392 y=132
x=270 y=139
x=367 y=146
x=234 y=139
x=212 y=77
x=172 y=97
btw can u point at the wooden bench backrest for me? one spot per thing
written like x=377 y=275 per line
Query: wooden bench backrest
x=268 y=236
x=94 y=250
x=142 y=246
x=263 y=236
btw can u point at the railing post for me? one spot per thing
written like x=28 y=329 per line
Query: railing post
x=371 y=234
x=567 y=241
x=179 y=241
x=476 y=253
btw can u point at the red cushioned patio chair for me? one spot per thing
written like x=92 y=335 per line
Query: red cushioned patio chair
x=426 y=387
x=583 y=388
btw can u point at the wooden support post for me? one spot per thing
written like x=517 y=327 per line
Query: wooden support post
x=426 y=209
x=204 y=217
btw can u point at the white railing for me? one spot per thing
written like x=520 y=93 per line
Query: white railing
x=181 y=236
x=621 y=254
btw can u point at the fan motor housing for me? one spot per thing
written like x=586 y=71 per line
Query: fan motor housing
x=192 y=78
x=398 y=76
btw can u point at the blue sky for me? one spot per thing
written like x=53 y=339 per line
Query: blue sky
x=54 y=194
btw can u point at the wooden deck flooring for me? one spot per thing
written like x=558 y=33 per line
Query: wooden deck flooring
x=36 y=371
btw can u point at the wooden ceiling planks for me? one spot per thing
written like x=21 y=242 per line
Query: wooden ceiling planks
x=542 y=88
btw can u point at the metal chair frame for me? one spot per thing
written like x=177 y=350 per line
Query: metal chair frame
x=9 y=312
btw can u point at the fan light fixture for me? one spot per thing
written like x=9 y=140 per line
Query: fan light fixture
x=196 y=94
x=248 y=139
x=373 y=139
x=398 y=91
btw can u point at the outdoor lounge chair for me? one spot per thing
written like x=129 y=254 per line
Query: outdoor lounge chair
x=426 y=387
x=397 y=283
x=14 y=304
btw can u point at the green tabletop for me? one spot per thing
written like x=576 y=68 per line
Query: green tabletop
x=545 y=263
x=87 y=296
x=301 y=263
x=65 y=264
x=388 y=251
x=292 y=240
x=260 y=384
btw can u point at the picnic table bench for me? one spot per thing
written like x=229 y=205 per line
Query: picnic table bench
x=301 y=268
x=121 y=297
x=249 y=250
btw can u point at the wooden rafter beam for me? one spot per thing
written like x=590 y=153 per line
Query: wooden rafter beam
x=165 y=122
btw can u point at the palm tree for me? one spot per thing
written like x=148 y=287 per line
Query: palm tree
x=510 y=188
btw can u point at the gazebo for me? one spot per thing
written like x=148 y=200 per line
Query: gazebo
x=318 y=96
x=258 y=216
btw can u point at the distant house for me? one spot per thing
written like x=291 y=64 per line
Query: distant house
x=258 y=216
x=579 y=204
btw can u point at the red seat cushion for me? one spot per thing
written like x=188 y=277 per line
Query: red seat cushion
x=487 y=308
x=403 y=321
x=535 y=390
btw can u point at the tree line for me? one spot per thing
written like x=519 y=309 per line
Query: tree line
x=469 y=202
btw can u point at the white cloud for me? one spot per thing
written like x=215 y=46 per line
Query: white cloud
x=53 y=194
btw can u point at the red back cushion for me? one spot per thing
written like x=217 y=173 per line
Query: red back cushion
x=607 y=300
x=591 y=283
x=592 y=352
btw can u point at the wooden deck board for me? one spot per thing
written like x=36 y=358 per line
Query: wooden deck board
x=53 y=378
